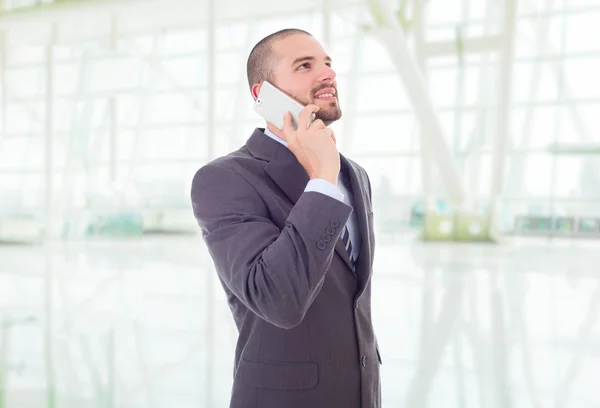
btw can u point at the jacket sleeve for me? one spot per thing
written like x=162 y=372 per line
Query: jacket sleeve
x=276 y=273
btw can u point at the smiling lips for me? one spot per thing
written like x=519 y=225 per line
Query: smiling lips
x=327 y=93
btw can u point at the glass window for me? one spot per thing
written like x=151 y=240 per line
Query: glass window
x=536 y=179
x=442 y=87
x=184 y=42
x=589 y=116
x=535 y=81
x=67 y=78
x=445 y=11
x=26 y=82
x=179 y=72
x=342 y=55
x=230 y=68
x=399 y=176
x=268 y=25
x=385 y=134
x=468 y=138
x=580 y=32
x=140 y=44
x=234 y=34
x=114 y=74
x=374 y=56
x=343 y=22
x=471 y=87
x=542 y=35
x=25 y=117
x=381 y=93
x=174 y=108
x=23 y=54
x=534 y=127
x=580 y=74
x=569 y=176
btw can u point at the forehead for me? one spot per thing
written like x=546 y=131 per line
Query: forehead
x=298 y=45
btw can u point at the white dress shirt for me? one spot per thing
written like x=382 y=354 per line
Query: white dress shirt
x=339 y=192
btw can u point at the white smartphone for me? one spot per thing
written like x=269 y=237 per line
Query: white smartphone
x=272 y=103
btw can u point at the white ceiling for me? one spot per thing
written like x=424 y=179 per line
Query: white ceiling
x=92 y=18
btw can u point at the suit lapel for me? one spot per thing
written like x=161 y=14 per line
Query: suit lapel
x=282 y=166
x=362 y=208
x=289 y=175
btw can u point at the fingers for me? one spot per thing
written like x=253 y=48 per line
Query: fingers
x=318 y=124
x=330 y=134
x=287 y=123
x=305 y=115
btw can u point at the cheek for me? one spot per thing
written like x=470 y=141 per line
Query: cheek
x=303 y=94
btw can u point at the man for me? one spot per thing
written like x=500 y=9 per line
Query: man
x=288 y=222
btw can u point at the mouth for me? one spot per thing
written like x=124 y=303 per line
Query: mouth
x=327 y=95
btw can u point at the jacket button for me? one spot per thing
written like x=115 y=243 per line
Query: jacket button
x=330 y=230
x=364 y=361
x=326 y=237
x=334 y=223
x=321 y=245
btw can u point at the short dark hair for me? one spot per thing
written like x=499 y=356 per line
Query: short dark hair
x=261 y=59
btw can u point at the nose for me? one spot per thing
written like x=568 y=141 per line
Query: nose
x=326 y=74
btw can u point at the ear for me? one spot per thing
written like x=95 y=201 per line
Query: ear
x=255 y=90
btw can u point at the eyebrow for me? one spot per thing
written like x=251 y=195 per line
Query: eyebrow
x=302 y=59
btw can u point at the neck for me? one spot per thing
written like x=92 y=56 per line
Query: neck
x=279 y=133
x=275 y=130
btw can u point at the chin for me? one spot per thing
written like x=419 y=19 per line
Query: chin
x=329 y=117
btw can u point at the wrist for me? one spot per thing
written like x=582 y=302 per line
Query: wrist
x=333 y=179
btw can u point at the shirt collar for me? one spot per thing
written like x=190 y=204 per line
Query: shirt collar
x=275 y=137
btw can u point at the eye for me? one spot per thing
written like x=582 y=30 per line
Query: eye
x=305 y=65
x=328 y=64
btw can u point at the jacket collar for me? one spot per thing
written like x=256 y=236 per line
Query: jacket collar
x=289 y=175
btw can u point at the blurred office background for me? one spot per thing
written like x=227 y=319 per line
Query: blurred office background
x=477 y=121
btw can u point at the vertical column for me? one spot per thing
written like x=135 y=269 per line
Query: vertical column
x=326 y=29
x=212 y=94
x=49 y=220
x=209 y=297
x=113 y=120
x=351 y=102
x=560 y=97
x=48 y=137
x=112 y=152
x=111 y=401
x=477 y=137
x=392 y=37
x=504 y=111
x=3 y=360
x=3 y=82
x=541 y=27
x=426 y=159
x=49 y=328
x=501 y=389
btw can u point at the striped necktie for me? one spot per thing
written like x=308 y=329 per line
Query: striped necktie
x=347 y=243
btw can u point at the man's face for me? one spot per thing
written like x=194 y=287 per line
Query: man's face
x=303 y=70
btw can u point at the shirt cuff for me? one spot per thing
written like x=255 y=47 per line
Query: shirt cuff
x=325 y=187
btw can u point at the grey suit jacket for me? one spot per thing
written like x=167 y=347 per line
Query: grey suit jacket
x=303 y=313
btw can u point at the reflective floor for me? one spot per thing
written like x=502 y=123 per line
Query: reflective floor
x=141 y=324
